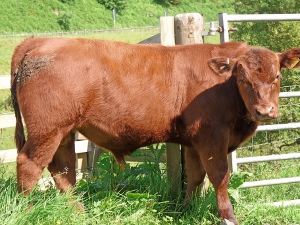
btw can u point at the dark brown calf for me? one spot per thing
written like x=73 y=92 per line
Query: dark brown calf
x=209 y=98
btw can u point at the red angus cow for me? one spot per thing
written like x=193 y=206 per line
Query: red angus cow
x=209 y=98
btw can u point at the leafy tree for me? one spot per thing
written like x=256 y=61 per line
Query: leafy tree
x=64 y=20
x=168 y=2
x=70 y=2
x=119 y=5
x=173 y=2
x=277 y=36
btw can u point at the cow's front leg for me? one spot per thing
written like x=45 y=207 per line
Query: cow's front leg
x=216 y=166
x=225 y=208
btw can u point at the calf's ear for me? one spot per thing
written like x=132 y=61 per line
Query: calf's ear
x=222 y=66
x=290 y=59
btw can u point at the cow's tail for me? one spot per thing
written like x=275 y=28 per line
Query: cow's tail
x=19 y=131
x=16 y=72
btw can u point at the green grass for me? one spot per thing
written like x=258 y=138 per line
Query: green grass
x=7 y=46
x=5 y=102
x=7 y=138
x=138 y=195
x=28 y=16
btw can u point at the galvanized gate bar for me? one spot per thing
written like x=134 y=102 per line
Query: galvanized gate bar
x=267 y=158
x=224 y=18
x=289 y=94
x=278 y=127
x=270 y=182
x=262 y=17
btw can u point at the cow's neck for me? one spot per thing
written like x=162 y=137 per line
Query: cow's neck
x=218 y=107
x=244 y=126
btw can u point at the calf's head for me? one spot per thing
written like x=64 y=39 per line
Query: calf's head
x=258 y=78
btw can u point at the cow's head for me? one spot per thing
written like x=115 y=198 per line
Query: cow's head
x=258 y=78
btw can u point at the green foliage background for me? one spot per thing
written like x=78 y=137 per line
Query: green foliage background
x=34 y=15
x=277 y=36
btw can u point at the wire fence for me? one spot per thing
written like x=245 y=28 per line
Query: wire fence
x=86 y=32
x=79 y=32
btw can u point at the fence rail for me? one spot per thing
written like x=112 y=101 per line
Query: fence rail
x=4 y=82
x=82 y=147
x=225 y=18
x=261 y=183
x=267 y=158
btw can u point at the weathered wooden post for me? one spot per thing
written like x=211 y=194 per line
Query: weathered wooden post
x=189 y=28
x=93 y=156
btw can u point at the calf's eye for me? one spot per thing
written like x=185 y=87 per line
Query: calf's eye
x=241 y=81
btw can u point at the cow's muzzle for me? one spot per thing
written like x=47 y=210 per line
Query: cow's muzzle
x=266 y=113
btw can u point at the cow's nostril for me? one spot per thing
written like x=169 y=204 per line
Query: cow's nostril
x=258 y=112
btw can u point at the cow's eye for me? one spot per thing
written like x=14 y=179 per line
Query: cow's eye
x=241 y=81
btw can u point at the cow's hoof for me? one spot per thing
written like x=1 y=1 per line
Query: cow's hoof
x=226 y=222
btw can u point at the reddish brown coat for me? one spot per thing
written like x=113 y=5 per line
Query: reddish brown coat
x=209 y=98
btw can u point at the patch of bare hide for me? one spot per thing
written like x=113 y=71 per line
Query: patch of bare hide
x=31 y=66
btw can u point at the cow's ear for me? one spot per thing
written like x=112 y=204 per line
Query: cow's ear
x=290 y=59
x=222 y=66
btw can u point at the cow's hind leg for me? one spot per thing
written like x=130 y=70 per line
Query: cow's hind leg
x=36 y=154
x=62 y=167
x=194 y=171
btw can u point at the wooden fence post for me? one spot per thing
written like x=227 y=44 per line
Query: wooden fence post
x=167 y=30
x=189 y=28
x=81 y=163
x=93 y=156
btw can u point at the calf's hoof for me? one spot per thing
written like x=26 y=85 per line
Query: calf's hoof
x=227 y=222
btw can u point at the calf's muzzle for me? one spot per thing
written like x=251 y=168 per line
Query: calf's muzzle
x=266 y=112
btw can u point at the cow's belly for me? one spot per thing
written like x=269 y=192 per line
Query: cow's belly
x=122 y=139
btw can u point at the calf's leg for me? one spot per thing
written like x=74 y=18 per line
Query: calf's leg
x=36 y=154
x=62 y=167
x=194 y=171
x=216 y=165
